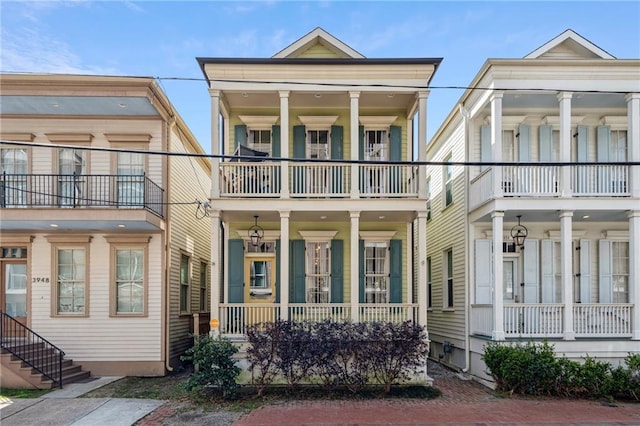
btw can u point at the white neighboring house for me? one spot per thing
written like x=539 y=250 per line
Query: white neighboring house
x=576 y=279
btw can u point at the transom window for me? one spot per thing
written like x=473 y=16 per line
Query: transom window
x=260 y=140
x=318 y=144
x=129 y=281
x=376 y=271
x=376 y=145
x=263 y=247
x=318 y=272
x=71 y=280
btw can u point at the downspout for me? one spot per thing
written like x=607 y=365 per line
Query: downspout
x=167 y=246
x=467 y=308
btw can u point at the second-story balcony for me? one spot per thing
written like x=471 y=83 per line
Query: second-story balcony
x=315 y=180
x=547 y=181
x=80 y=191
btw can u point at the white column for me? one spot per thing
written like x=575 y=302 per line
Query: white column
x=633 y=141
x=284 y=264
x=354 y=138
x=634 y=271
x=215 y=143
x=284 y=143
x=566 y=259
x=214 y=306
x=496 y=145
x=422 y=143
x=422 y=268
x=565 y=141
x=355 y=265
x=497 y=219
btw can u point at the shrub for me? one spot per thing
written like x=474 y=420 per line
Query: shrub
x=214 y=364
x=261 y=353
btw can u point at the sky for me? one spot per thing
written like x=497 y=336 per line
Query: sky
x=162 y=39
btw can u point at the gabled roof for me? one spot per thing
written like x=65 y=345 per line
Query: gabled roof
x=316 y=37
x=569 y=45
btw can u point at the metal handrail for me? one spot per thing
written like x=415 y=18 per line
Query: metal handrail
x=33 y=349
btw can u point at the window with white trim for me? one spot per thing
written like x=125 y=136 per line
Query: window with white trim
x=555 y=145
x=509 y=149
x=318 y=272
x=130 y=280
x=428 y=198
x=71 y=280
x=620 y=271
x=448 y=294
x=448 y=181
x=557 y=271
x=260 y=140
x=318 y=144
x=376 y=145
x=618 y=145
x=203 y=287
x=130 y=172
x=13 y=165
x=185 y=278
x=71 y=182
x=376 y=271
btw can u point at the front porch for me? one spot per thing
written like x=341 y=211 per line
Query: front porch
x=548 y=320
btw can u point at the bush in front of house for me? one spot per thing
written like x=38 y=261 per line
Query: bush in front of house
x=534 y=369
x=214 y=365
x=331 y=354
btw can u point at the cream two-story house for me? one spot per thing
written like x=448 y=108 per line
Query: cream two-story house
x=534 y=227
x=103 y=252
x=317 y=209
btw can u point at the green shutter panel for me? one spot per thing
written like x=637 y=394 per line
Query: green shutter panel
x=275 y=141
x=548 y=276
x=483 y=268
x=236 y=271
x=524 y=143
x=603 y=134
x=337 y=137
x=395 y=265
x=361 y=270
x=585 y=271
x=531 y=271
x=361 y=142
x=277 y=265
x=395 y=143
x=337 y=271
x=583 y=144
x=546 y=143
x=296 y=274
x=604 y=266
x=299 y=138
x=485 y=145
x=240 y=136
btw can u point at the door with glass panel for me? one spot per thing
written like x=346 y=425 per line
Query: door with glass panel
x=259 y=288
x=13 y=171
x=510 y=293
x=13 y=273
x=130 y=181
x=376 y=149
x=317 y=174
x=72 y=184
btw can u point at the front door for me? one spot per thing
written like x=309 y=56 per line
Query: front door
x=13 y=295
x=259 y=278
x=510 y=287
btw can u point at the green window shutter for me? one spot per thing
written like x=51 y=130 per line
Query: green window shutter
x=604 y=267
x=240 y=136
x=296 y=274
x=361 y=142
x=361 y=270
x=547 y=272
x=337 y=271
x=483 y=281
x=485 y=145
x=546 y=143
x=585 y=271
x=604 y=141
x=531 y=274
x=395 y=266
x=277 y=266
x=236 y=271
x=337 y=137
x=395 y=143
x=524 y=143
x=299 y=139
x=275 y=141
x=582 y=146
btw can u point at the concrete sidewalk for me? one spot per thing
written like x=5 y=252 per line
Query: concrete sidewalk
x=63 y=407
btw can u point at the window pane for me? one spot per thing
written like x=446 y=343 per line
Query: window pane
x=130 y=281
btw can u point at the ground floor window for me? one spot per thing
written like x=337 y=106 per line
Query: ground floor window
x=71 y=273
x=620 y=271
x=376 y=271
x=129 y=281
x=318 y=272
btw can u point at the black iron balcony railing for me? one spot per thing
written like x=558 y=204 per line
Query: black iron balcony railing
x=77 y=191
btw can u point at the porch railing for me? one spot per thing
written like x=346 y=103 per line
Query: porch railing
x=547 y=320
x=250 y=179
x=600 y=180
x=320 y=180
x=31 y=348
x=388 y=312
x=388 y=180
x=321 y=312
x=235 y=317
x=81 y=191
x=530 y=180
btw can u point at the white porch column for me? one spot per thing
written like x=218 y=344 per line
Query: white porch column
x=355 y=265
x=633 y=141
x=565 y=142
x=214 y=262
x=284 y=143
x=215 y=143
x=422 y=143
x=498 y=305
x=566 y=259
x=496 y=147
x=634 y=271
x=284 y=264
x=422 y=268
x=355 y=141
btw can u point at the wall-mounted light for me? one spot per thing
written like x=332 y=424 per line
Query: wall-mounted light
x=519 y=233
x=256 y=233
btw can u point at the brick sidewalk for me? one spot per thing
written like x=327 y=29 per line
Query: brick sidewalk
x=462 y=402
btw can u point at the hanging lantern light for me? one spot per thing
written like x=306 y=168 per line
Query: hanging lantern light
x=256 y=233
x=519 y=233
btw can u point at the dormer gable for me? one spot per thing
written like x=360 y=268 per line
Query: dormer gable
x=569 y=45
x=318 y=44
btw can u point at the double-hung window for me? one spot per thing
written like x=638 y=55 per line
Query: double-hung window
x=429 y=284
x=13 y=168
x=376 y=145
x=130 y=280
x=203 y=287
x=185 y=276
x=130 y=171
x=428 y=198
x=318 y=144
x=620 y=271
x=71 y=179
x=448 y=181
x=318 y=272
x=71 y=280
x=376 y=271
x=448 y=296
x=260 y=140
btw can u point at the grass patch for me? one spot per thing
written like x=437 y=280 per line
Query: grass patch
x=23 y=393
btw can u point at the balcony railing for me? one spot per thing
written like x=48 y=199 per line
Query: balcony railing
x=80 y=191
x=314 y=180
x=546 y=181
x=547 y=320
